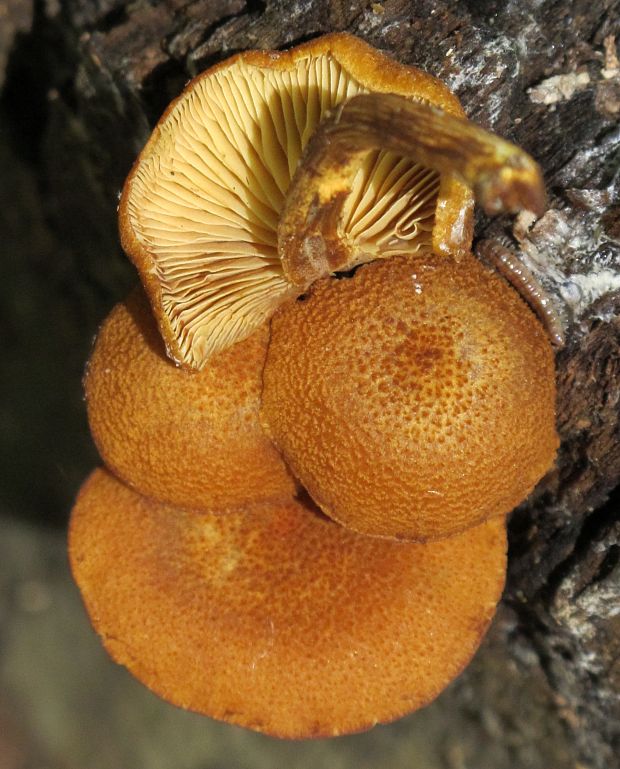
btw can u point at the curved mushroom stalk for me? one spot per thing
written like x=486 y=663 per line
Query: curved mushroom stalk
x=312 y=241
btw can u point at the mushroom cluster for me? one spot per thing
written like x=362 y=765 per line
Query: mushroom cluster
x=317 y=415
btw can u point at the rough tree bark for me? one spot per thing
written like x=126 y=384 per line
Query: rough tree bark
x=84 y=82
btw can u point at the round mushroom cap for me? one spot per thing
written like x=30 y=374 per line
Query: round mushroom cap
x=413 y=399
x=200 y=209
x=273 y=617
x=188 y=438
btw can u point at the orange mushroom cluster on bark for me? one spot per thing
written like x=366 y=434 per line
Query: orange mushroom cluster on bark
x=410 y=400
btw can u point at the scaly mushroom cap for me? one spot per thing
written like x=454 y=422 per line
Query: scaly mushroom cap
x=200 y=209
x=275 y=618
x=414 y=399
x=187 y=438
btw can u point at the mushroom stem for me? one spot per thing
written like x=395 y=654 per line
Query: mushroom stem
x=502 y=176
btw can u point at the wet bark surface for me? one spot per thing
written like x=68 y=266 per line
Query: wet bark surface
x=82 y=84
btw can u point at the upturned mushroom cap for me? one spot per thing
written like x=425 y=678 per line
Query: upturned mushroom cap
x=200 y=209
x=273 y=617
x=414 y=399
x=189 y=438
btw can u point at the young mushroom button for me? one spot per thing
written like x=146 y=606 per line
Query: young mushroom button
x=185 y=437
x=413 y=399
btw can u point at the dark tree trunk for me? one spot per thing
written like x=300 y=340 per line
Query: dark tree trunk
x=84 y=81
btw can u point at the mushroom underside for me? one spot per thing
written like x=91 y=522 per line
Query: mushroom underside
x=203 y=204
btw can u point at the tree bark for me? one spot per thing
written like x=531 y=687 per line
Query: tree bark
x=83 y=85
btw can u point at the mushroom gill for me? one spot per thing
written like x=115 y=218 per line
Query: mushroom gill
x=200 y=210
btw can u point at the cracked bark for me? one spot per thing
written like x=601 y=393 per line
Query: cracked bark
x=83 y=84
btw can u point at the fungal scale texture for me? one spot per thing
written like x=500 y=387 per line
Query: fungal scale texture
x=413 y=399
x=275 y=618
x=189 y=438
x=202 y=205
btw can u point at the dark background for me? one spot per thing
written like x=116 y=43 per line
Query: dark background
x=82 y=82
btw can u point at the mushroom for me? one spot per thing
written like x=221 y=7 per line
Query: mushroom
x=201 y=208
x=188 y=438
x=273 y=617
x=413 y=399
x=207 y=217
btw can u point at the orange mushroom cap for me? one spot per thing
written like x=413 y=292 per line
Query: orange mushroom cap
x=413 y=399
x=274 y=618
x=188 y=438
